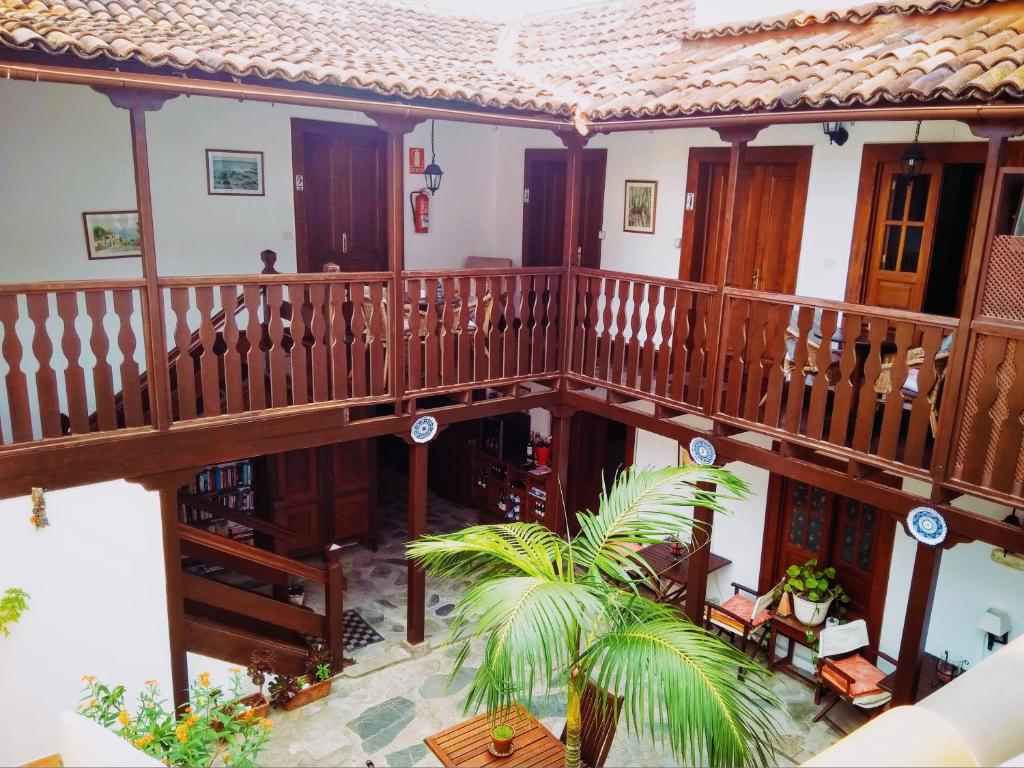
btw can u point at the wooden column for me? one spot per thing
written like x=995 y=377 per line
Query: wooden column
x=700 y=559
x=170 y=523
x=915 y=625
x=574 y=144
x=417 y=589
x=738 y=137
x=997 y=135
x=396 y=128
x=138 y=103
x=561 y=439
x=334 y=608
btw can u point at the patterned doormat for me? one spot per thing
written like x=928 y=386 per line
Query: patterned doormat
x=358 y=634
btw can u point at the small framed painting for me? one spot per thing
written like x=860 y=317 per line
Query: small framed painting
x=233 y=172
x=641 y=206
x=112 y=234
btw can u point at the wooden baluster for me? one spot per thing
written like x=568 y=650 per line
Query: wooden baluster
x=338 y=352
x=617 y=369
x=378 y=325
x=254 y=359
x=233 y=399
x=45 y=379
x=579 y=315
x=1006 y=443
x=664 y=361
x=275 y=332
x=538 y=312
x=131 y=389
x=463 y=336
x=184 y=366
x=558 y=285
x=297 y=354
x=735 y=324
x=431 y=341
x=484 y=309
x=17 y=383
x=317 y=351
x=757 y=342
x=102 y=373
x=208 y=368
x=525 y=292
x=607 y=287
x=867 y=397
x=650 y=326
x=74 y=375
x=508 y=344
x=590 y=337
x=413 y=288
x=820 y=387
x=918 y=425
x=892 y=414
x=775 y=336
x=494 y=338
x=797 y=376
x=842 y=400
x=633 y=352
x=682 y=340
x=697 y=388
x=447 y=331
x=334 y=608
x=359 y=356
x=984 y=430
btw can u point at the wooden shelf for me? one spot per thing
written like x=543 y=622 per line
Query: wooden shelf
x=505 y=491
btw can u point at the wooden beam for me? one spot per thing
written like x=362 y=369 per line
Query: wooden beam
x=334 y=606
x=574 y=144
x=170 y=526
x=700 y=559
x=417 y=589
x=915 y=625
x=561 y=437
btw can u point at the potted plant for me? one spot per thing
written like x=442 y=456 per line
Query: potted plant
x=813 y=590
x=13 y=604
x=501 y=739
x=261 y=666
x=297 y=594
x=290 y=692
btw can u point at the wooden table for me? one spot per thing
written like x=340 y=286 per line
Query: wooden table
x=673 y=573
x=466 y=744
x=796 y=632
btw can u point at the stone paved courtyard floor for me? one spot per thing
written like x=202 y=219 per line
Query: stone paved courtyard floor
x=384 y=705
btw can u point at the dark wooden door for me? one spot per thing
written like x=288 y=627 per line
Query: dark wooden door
x=599 y=450
x=295 y=499
x=340 y=213
x=773 y=197
x=806 y=522
x=544 y=207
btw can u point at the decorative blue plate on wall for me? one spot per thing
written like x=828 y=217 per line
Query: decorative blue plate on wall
x=424 y=429
x=927 y=525
x=702 y=451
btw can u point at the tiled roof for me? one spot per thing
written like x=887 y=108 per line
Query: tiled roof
x=612 y=59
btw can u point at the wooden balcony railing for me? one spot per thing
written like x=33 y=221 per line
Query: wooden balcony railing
x=641 y=335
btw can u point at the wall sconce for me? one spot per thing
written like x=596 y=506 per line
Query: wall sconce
x=913 y=157
x=433 y=173
x=996 y=627
x=837 y=133
x=1011 y=519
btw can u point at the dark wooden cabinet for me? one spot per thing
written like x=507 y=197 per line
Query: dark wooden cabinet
x=324 y=494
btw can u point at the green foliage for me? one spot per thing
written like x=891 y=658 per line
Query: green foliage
x=215 y=725
x=12 y=605
x=817 y=585
x=550 y=613
x=283 y=689
x=323 y=672
x=503 y=732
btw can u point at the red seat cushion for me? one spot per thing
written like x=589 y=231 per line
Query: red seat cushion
x=741 y=606
x=866 y=675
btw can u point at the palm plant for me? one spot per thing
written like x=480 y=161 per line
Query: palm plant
x=554 y=614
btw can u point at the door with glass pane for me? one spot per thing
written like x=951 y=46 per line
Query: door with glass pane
x=902 y=239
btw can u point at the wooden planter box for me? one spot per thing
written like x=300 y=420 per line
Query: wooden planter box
x=309 y=694
x=257 y=702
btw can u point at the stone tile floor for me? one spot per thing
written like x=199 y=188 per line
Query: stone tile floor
x=383 y=706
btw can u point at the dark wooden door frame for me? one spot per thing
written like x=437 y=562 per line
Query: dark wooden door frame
x=301 y=127
x=800 y=154
x=867 y=198
x=598 y=155
x=777 y=494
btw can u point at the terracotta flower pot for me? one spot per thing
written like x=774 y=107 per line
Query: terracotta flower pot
x=501 y=738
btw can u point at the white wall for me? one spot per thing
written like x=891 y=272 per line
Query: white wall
x=98 y=606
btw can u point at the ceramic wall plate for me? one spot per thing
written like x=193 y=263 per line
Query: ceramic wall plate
x=927 y=525
x=424 y=429
x=702 y=451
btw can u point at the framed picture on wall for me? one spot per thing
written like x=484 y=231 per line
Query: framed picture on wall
x=234 y=172
x=112 y=234
x=640 y=207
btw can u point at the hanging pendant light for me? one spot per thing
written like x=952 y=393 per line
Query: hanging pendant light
x=433 y=173
x=913 y=157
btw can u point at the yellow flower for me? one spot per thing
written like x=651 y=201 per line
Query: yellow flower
x=182 y=732
x=248 y=714
x=188 y=709
x=227 y=759
x=88 y=678
x=204 y=679
x=92 y=703
x=150 y=682
x=143 y=740
x=124 y=718
x=192 y=721
x=268 y=724
x=235 y=670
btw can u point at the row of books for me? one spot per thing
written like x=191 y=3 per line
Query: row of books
x=222 y=476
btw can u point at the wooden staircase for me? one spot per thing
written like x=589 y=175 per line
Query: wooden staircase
x=229 y=622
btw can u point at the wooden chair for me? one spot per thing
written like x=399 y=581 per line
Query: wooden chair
x=742 y=620
x=600 y=719
x=853 y=679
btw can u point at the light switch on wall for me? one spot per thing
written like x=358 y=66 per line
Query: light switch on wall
x=677 y=242
x=601 y=234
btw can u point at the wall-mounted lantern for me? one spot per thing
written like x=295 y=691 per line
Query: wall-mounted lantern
x=837 y=133
x=913 y=157
x=433 y=173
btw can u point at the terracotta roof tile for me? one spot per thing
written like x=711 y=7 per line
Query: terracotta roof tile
x=611 y=59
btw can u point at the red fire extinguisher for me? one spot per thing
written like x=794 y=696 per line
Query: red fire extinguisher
x=420 y=211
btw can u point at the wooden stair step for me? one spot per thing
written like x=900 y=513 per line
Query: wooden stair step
x=219 y=640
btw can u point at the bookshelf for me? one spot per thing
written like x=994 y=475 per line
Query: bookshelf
x=227 y=485
x=506 y=492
